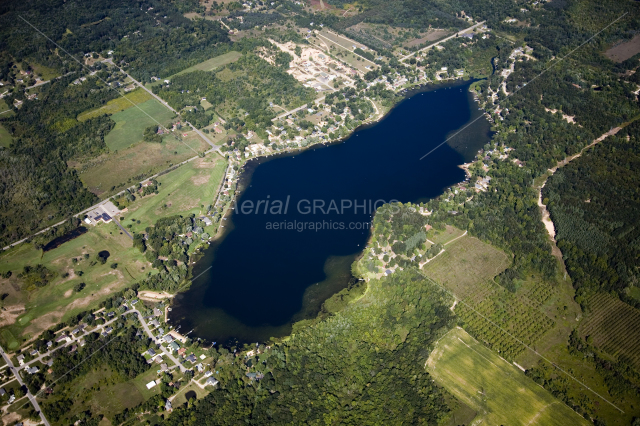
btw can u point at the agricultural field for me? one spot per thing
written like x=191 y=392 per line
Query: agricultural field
x=131 y=123
x=29 y=310
x=614 y=327
x=181 y=191
x=467 y=268
x=114 y=106
x=5 y=137
x=112 y=172
x=624 y=51
x=489 y=384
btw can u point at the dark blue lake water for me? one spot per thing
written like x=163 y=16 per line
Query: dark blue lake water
x=259 y=278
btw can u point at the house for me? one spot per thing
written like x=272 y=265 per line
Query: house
x=108 y=329
x=200 y=367
x=167 y=405
x=182 y=351
x=388 y=272
x=2 y=392
x=211 y=381
x=151 y=352
x=203 y=356
x=157 y=312
x=32 y=370
x=168 y=338
x=161 y=332
x=151 y=384
x=20 y=359
x=154 y=323
x=164 y=366
x=12 y=398
x=49 y=344
x=75 y=331
x=208 y=373
x=174 y=346
x=191 y=358
x=111 y=314
x=207 y=221
x=33 y=352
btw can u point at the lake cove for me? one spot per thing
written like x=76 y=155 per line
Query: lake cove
x=302 y=219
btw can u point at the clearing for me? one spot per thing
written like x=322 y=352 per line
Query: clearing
x=135 y=97
x=208 y=65
x=625 y=50
x=497 y=390
x=5 y=137
x=131 y=123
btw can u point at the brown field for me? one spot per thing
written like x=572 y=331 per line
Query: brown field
x=135 y=163
x=625 y=50
x=614 y=326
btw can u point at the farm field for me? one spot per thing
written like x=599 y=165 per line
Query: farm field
x=135 y=97
x=467 y=268
x=613 y=325
x=5 y=137
x=489 y=384
x=111 y=172
x=624 y=51
x=130 y=123
x=29 y=311
x=182 y=191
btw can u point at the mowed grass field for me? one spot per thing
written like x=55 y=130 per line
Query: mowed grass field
x=128 y=166
x=497 y=390
x=131 y=122
x=208 y=65
x=182 y=191
x=114 y=106
x=30 y=311
x=5 y=137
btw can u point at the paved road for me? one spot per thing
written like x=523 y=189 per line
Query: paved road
x=466 y=30
x=32 y=399
x=317 y=101
x=164 y=350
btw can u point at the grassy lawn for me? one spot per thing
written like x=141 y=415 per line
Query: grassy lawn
x=5 y=137
x=29 y=311
x=45 y=72
x=182 y=191
x=497 y=390
x=181 y=396
x=114 y=106
x=443 y=237
x=131 y=122
x=131 y=165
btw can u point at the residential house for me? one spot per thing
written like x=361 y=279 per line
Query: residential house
x=200 y=367
x=21 y=359
x=211 y=381
x=174 y=346
x=151 y=352
x=168 y=338
x=191 y=358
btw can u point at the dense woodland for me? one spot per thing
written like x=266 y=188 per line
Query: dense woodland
x=594 y=202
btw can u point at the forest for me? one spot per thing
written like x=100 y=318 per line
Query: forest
x=594 y=202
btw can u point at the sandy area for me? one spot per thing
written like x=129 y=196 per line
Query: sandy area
x=11 y=314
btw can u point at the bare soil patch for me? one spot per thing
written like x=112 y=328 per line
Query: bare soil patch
x=10 y=314
x=624 y=51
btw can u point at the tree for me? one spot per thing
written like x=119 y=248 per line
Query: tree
x=79 y=287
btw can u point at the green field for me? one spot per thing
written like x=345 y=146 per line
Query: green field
x=114 y=106
x=130 y=123
x=5 y=137
x=208 y=65
x=182 y=191
x=29 y=311
x=129 y=166
x=497 y=390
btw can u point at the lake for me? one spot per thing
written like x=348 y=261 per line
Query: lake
x=301 y=219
